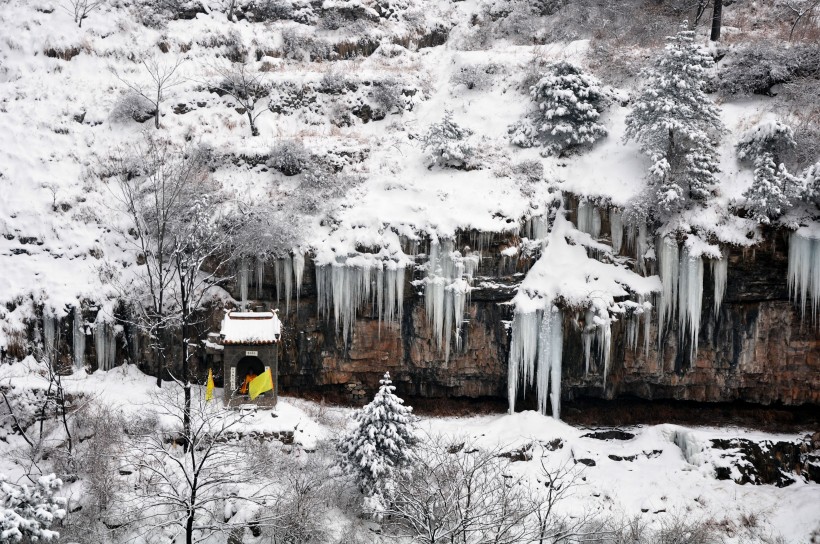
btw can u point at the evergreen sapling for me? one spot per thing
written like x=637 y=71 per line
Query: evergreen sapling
x=379 y=445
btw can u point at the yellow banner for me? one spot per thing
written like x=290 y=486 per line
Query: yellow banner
x=209 y=389
x=260 y=384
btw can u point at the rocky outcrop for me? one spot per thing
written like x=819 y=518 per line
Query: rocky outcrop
x=757 y=349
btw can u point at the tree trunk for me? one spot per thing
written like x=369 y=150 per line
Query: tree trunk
x=156 y=112
x=701 y=9
x=186 y=383
x=717 y=13
x=254 y=131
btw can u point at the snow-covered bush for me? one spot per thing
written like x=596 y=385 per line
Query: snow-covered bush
x=446 y=144
x=300 y=45
x=811 y=183
x=29 y=511
x=676 y=124
x=132 y=107
x=569 y=103
x=475 y=76
x=156 y=13
x=335 y=82
x=379 y=446
x=772 y=192
x=759 y=66
x=774 y=189
x=289 y=157
x=388 y=95
x=773 y=138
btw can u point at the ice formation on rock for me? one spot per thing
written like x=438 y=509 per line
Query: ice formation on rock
x=260 y=274
x=346 y=286
x=565 y=271
x=105 y=342
x=298 y=271
x=804 y=272
x=50 y=334
x=283 y=277
x=616 y=227
x=535 y=357
x=446 y=289
x=589 y=219
x=78 y=337
x=242 y=277
x=720 y=271
x=682 y=278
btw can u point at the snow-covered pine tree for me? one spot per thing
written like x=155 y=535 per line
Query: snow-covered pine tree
x=445 y=144
x=569 y=103
x=379 y=444
x=677 y=125
x=774 y=189
x=773 y=138
x=29 y=511
x=811 y=184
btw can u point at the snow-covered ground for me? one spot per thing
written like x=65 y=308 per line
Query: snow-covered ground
x=655 y=471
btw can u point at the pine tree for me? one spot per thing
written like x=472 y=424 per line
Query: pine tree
x=569 y=105
x=446 y=145
x=773 y=138
x=29 y=511
x=380 y=443
x=811 y=184
x=774 y=189
x=676 y=124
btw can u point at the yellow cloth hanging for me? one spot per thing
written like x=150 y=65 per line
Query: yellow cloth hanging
x=209 y=388
x=260 y=384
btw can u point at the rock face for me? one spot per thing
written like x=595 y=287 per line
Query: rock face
x=757 y=349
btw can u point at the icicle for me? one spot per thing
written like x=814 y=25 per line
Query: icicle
x=105 y=343
x=641 y=246
x=585 y=218
x=535 y=357
x=720 y=270
x=690 y=298
x=446 y=290
x=616 y=226
x=287 y=278
x=668 y=265
x=804 y=273
x=242 y=278
x=298 y=272
x=260 y=275
x=78 y=339
x=277 y=279
x=50 y=327
x=587 y=339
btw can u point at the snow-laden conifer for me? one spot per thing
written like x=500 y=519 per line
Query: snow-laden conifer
x=445 y=144
x=379 y=444
x=569 y=106
x=772 y=192
x=28 y=512
x=677 y=125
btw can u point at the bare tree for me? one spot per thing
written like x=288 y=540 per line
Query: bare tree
x=190 y=490
x=152 y=183
x=162 y=77
x=800 y=10
x=80 y=9
x=248 y=86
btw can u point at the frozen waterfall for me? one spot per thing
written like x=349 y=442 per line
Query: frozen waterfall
x=446 y=289
x=78 y=339
x=535 y=357
x=50 y=334
x=682 y=278
x=616 y=228
x=105 y=342
x=349 y=284
x=804 y=273
x=720 y=271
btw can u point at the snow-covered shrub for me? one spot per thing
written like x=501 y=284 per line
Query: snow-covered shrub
x=289 y=157
x=759 y=66
x=773 y=138
x=29 y=511
x=475 y=76
x=156 y=13
x=446 y=144
x=772 y=192
x=774 y=189
x=300 y=45
x=811 y=183
x=569 y=103
x=676 y=124
x=391 y=10
x=379 y=446
x=132 y=107
x=387 y=95
x=335 y=82
x=20 y=409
